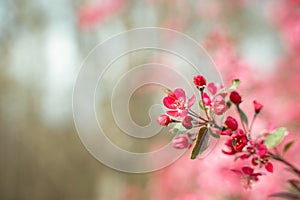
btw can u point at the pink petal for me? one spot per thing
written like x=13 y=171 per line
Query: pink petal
x=220 y=109
x=212 y=88
x=206 y=99
x=269 y=167
x=247 y=170
x=191 y=101
x=180 y=142
x=183 y=113
x=169 y=103
x=238 y=172
x=173 y=113
x=262 y=150
x=180 y=93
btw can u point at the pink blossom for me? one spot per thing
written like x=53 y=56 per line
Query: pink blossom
x=206 y=99
x=249 y=176
x=236 y=143
x=176 y=102
x=188 y=196
x=240 y=139
x=261 y=149
x=219 y=104
x=180 y=142
x=91 y=14
x=213 y=88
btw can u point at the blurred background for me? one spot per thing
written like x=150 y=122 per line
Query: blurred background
x=42 y=44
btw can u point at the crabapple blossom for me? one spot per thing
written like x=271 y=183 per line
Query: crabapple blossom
x=240 y=142
x=176 y=102
x=180 y=142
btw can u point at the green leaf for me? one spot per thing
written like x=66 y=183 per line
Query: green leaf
x=287 y=146
x=233 y=142
x=236 y=158
x=234 y=85
x=178 y=129
x=243 y=115
x=167 y=90
x=215 y=135
x=201 y=143
x=201 y=105
x=275 y=137
x=228 y=104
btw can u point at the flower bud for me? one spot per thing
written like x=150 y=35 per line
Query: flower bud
x=257 y=106
x=163 y=120
x=269 y=167
x=231 y=123
x=199 y=81
x=235 y=98
x=187 y=122
x=226 y=132
x=180 y=142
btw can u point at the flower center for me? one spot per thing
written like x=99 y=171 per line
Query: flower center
x=180 y=103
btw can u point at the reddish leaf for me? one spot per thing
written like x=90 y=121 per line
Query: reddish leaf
x=295 y=184
x=285 y=195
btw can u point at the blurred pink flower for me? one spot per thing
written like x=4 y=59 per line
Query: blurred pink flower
x=90 y=15
x=188 y=196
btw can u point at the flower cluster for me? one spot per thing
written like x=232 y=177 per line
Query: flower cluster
x=193 y=129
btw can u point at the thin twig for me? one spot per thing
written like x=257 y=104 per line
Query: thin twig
x=193 y=113
x=201 y=92
x=280 y=159
x=251 y=125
